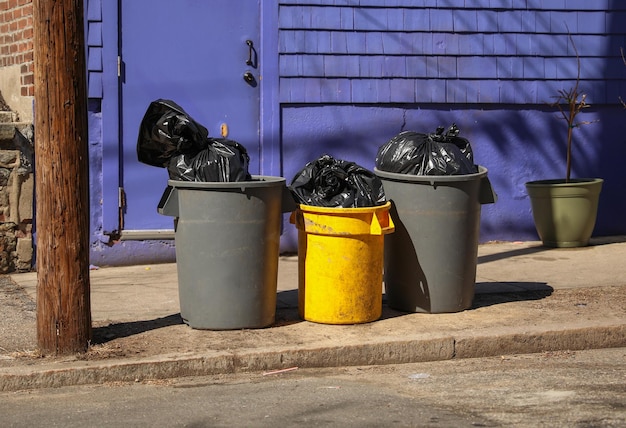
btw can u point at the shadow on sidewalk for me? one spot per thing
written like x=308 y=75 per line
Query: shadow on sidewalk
x=495 y=293
x=487 y=294
x=124 y=329
x=525 y=251
x=287 y=309
x=539 y=248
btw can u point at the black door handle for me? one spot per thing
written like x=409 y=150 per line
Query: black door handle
x=250 y=52
x=251 y=61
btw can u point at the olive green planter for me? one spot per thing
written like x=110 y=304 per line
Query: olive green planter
x=565 y=213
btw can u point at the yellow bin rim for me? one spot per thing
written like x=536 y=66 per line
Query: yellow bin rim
x=339 y=210
x=335 y=221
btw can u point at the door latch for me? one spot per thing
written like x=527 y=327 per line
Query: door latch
x=249 y=78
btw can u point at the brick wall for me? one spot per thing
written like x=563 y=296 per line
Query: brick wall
x=16 y=40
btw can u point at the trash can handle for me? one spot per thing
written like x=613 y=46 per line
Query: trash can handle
x=487 y=194
x=389 y=229
x=297 y=219
x=288 y=204
x=168 y=205
x=384 y=227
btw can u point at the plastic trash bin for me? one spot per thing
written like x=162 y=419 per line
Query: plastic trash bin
x=340 y=262
x=430 y=260
x=227 y=246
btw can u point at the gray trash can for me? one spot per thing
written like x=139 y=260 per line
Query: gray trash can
x=430 y=260
x=227 y=246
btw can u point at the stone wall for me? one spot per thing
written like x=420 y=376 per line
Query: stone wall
x=16 y=194
x=16 y=135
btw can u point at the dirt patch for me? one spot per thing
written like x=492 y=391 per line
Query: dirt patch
x=17 y=326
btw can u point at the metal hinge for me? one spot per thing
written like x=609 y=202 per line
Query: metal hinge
x=121 y=197
x=121 y=204
x=119 y=66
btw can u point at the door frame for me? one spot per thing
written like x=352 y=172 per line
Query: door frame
x=269 y=111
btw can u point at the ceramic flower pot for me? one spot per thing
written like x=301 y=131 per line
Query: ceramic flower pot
x=565 y=213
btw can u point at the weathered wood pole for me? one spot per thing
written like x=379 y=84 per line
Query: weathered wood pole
x=61 y=177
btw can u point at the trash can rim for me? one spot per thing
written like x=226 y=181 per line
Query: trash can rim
x=257 y=181
x=340 y=210
x=482 y=171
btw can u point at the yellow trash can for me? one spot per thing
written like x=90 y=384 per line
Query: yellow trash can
x=340 y=262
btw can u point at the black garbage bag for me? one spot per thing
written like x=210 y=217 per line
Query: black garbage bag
x=222 y=160
x=440 y=153
x=170 y=138
x=166 y=130
x=330 y=182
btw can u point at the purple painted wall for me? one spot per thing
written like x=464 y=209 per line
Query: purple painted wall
x=515 y=144
x=350 y=74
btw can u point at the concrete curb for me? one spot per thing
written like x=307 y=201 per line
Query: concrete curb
x=171 y=366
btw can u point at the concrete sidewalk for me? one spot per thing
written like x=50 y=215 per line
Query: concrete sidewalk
x=528 y=299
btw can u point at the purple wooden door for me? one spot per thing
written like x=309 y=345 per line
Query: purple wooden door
x=196 y=53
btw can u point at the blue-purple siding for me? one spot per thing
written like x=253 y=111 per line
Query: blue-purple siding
x=350 y=74
x=517 y=52
x=94 y=49
x=355 y=73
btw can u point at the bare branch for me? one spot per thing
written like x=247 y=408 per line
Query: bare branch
x=570 y=103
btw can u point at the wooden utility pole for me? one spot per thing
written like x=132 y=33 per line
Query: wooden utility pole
x=61 y=177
